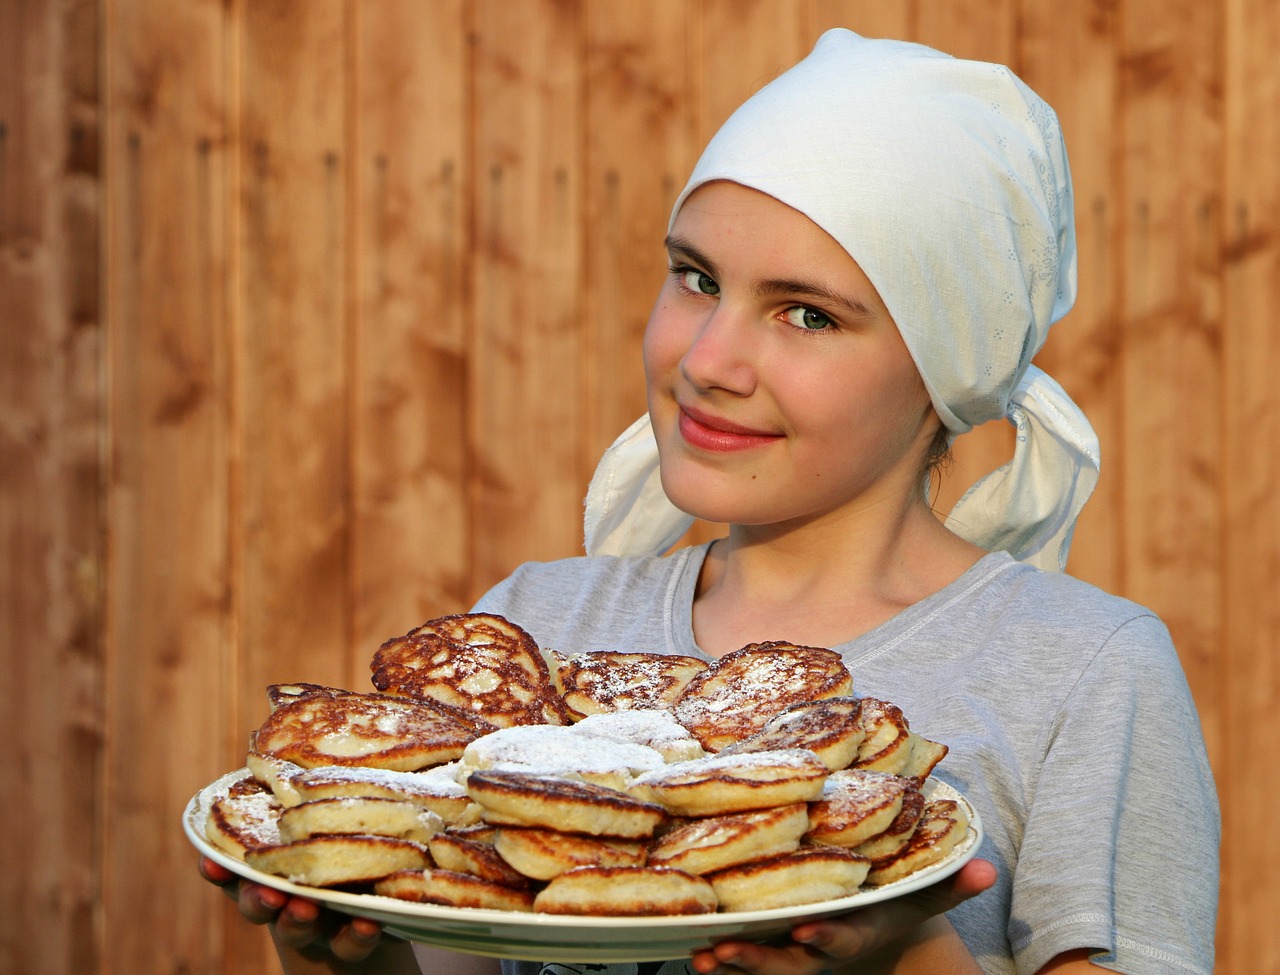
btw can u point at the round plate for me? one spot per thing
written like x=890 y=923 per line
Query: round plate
x=572 y=938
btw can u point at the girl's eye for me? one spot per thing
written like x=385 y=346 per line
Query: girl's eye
x=809 y=319
x=696 y=282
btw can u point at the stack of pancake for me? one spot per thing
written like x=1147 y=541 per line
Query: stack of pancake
x=486 y=772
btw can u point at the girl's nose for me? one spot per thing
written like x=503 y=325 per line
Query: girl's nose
x=722 y=353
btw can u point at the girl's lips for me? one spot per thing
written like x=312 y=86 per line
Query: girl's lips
x=710 y=433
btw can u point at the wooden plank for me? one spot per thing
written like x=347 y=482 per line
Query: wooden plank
x=1172 y=351
x=1249 y=686
x=169 y=625
x=51 y=642
x=410 y=371
x=525 y=398
x=1070 y=56
x=636 y=95
x=870 y=18
x=292 y=397
x=741 y=46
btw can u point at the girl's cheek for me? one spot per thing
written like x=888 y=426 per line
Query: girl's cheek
x=663 y=345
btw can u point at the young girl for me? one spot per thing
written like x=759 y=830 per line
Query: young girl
x=863 y=264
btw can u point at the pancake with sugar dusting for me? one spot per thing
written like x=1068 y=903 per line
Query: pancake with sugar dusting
x=477 y=857
x=479 y=662
x=561 y=751
x=543 y=853
x=940 y=830
x=246 y=818
x=436 y=789
x=887 y=745
x=281 y=694
x=806 y=876
x=734 y=697
x=275 y=774
x=331 y=861
x=373 y=730
x=856 y=805
x=626 y=892
x=362 y=816
x=735 y=783
x=658 y=730
x=924 y=758
x=602 y=681
x=889 y=843
x=520 y=799
x=451 y=889
x=711 y=843
x=830 y=728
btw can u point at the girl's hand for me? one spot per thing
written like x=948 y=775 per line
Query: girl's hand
x=297 y=922
x=826 y=944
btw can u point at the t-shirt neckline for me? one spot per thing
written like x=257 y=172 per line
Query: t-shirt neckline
x=679 y=609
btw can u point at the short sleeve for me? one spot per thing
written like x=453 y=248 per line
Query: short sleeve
x=1120 y=848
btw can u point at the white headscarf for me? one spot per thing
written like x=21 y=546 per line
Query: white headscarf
x=947 y=181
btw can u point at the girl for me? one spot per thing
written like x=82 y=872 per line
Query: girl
x=863 y=264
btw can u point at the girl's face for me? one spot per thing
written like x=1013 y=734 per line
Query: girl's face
x=779 y=388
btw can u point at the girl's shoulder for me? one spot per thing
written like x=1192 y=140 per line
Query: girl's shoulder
x=599 y=602
x=586 y=573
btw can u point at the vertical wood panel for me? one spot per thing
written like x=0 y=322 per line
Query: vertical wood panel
x=294 y=481
x=637 y=94
x=1249 y=692
x=410 y=372
x=51 y=553
x=742 y=46
x=525 y=398
x=870 y=18
x=1172 y=362
x=170 y=620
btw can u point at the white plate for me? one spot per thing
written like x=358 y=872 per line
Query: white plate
x=563 y=938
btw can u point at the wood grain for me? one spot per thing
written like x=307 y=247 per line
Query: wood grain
x=52 y=553
x=410 y=372
x=171 y=607
x=525 y=407
x=1248 y=688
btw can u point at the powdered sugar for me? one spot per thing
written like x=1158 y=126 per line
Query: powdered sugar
x=557 y=749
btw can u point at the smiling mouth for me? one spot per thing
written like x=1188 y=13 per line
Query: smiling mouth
x=712 y=433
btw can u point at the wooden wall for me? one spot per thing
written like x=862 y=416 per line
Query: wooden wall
x=314 y=317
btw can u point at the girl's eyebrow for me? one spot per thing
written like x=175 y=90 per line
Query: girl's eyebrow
x=679 y=247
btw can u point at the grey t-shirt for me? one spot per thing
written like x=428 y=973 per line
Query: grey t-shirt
x=1070 y=725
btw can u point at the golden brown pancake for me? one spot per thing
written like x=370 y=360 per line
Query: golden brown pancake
x=855 y=806
x=520 y=799
x=374 y=730
x=450 y=889
x=722 y=784
x=734 y=697
x=626 y=892
x=830 y=728
x=704 y=845
x=806 y=876
x=543 y=853
x=604 y=681
x=246 y=818
x=478 y=662
x=367 y=816
x=940 y=830
x=330 y=861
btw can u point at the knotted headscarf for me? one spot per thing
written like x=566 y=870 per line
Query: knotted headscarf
x=946 y=180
